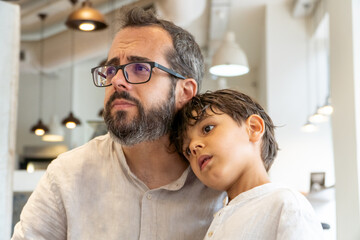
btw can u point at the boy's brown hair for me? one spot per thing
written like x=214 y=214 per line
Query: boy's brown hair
x=237 y=105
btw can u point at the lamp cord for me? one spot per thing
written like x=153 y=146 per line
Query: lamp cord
x=42 y=18
x=307 y=39
x=72 y=69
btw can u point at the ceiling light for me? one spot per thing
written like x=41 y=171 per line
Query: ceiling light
x=71 y=121
x=229 y=60
x=86 y=18
x=309 y=127
x=326 y=109
x=317 y=118
x=39 y=128
x=56 y=133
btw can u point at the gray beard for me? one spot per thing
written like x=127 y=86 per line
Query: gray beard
x=146 y=126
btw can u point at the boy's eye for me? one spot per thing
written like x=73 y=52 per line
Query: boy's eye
x=187 y=151
x=208 y=128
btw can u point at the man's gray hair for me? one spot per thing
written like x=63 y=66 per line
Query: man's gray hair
x=186 y=57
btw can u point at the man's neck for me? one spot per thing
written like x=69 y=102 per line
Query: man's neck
x=153 y=162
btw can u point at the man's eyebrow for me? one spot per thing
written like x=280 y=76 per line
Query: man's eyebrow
x=113 y=61
x=116 y=61
x=138 y=59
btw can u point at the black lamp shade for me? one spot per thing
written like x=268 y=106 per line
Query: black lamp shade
x=39 y=126
x=86 y=14
x=70 y=119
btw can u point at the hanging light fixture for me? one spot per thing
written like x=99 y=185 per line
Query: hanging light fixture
x=309 y=127
x=229 y=60
x=39 y=128
x=86 y=18
x=56 y=133
x=326 y=109
x=318 y=118
x=71 y=121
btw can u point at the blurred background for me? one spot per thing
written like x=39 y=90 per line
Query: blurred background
x=297 y=58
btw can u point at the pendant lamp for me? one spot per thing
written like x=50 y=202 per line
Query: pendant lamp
x=309 y=127
x=229 y=60
x=71 y=121
x=39 y=128
x=326 y=109
x=318 y=118
x=86 y=18
x=56 y=133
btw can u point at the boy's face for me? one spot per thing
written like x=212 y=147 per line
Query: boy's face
x=219 y=150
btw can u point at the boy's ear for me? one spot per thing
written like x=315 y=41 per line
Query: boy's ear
x=185 y=90
x=256 y=127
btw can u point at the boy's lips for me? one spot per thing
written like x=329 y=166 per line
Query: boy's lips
x=203 y=160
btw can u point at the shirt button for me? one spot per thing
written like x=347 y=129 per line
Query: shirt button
x=210 y=234
x=148 y=196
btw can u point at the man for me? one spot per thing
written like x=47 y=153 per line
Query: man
x=128 y=184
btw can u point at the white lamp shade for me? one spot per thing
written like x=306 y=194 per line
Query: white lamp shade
x=56 y=133
x=309 y=127
x=229 y=60
x=326 y=110
x=183 y=12
x=318 y=118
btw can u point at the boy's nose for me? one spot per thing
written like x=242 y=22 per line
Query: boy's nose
x=196 y=146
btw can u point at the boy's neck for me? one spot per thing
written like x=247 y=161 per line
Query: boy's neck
x=250 y=178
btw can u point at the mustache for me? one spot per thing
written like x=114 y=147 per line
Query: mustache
x=122 y=95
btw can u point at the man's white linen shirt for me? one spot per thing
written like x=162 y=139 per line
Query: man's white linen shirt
x=266 y=212
x=90 y=193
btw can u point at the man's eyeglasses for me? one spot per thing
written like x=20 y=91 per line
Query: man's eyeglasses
x=134 y=73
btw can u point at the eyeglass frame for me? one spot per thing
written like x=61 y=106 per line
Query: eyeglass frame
x=122 y=67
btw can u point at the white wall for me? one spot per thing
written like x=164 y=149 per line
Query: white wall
x=345 y=81
x=287 y=95
x=287 y=103
x=87 y=101
x=9 y=67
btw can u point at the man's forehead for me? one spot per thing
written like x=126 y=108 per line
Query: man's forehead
x=147 y=42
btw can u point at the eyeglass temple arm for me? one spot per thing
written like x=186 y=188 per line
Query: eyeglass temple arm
x=168 y=70
x=102 y=75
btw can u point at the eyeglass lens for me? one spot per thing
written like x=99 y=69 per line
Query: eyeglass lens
x=133 y=72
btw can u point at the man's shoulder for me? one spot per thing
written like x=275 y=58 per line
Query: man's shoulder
x=88 y=154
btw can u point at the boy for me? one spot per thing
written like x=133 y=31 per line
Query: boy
x=229 y=141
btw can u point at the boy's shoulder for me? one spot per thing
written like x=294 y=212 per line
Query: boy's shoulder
x=289 y=199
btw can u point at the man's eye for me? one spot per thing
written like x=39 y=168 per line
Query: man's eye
x=110 y=71
x=208 y=128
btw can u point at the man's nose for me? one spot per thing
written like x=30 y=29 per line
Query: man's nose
x=119 y=81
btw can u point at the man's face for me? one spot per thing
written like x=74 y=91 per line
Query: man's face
x=142 y=112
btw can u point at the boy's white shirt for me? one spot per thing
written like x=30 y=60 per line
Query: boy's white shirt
x=266 y=212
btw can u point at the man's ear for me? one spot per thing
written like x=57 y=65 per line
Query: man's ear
x=185 y=90
x=256 y=127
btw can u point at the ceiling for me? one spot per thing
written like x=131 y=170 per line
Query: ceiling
x=246 y=18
